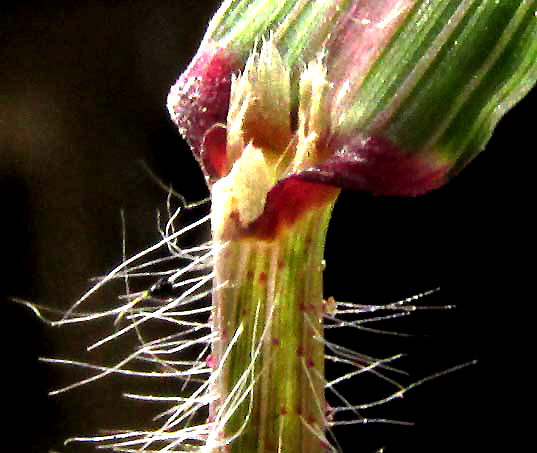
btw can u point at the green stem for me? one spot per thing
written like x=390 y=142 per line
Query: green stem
x=269 y=352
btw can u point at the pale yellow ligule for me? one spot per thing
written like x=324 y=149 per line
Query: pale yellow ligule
x=273 y=89
x=260 y=102
x=261 y=98
x=244 y=192
x=312 y=114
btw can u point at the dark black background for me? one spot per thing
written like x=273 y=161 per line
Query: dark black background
x=82 y=99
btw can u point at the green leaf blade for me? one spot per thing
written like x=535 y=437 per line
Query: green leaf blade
x=441 y=89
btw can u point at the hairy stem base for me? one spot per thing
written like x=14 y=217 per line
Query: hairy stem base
x=269 y=354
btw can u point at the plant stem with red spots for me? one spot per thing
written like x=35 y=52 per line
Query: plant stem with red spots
x=269 y=356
